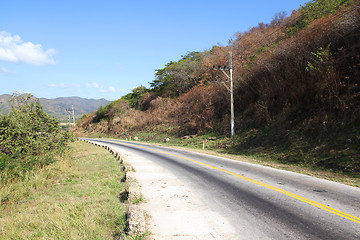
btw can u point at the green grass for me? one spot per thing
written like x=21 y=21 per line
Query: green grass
x=75 y=198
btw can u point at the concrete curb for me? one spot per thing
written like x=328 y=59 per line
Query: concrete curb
x=134 y=191
x=136 y=220
x=135 y=215
x=130 y=176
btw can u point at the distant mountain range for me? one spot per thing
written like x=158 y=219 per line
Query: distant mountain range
x=57 y=107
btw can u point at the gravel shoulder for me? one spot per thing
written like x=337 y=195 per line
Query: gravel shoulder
x=174 y=210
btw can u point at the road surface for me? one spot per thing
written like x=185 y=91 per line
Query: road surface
x=241 y=200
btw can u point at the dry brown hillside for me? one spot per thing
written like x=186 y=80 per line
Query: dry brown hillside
x=297 y=92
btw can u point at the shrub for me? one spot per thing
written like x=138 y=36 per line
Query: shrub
x=28 y=137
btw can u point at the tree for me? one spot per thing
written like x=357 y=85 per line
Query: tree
x=278 y=19
x=134 y=97
x=27 y=129
x=179 y=77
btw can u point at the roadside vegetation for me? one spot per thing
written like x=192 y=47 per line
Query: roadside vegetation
x=53 y=187
x=30 y=139
x=76 y=197
x=297 y=93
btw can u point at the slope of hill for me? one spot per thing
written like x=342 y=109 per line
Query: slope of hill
x=57 y=107
x=296 y=96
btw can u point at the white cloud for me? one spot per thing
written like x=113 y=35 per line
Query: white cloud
x=5 y=70
x=63 y=85
x=13 y=49
x=93 y=85
x=102 y=89
x=111 y=89
x=107 y=90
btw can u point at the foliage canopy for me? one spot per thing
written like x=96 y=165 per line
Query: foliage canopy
x=179 y=77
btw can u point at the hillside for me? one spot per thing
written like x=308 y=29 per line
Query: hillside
x=297 y=92
x=57 y=107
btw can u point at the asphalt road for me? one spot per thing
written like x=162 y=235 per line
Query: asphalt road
x=260 y=202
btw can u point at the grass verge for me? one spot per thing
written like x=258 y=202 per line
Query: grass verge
x=76 y=197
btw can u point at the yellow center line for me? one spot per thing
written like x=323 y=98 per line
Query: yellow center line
x=303 y=199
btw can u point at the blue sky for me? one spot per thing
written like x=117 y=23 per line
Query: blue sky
x=103 y=49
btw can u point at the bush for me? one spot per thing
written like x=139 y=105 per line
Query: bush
x=28 y=137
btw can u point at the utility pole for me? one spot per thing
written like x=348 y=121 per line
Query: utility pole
x=73 y=115
x=71 y=112
x=69 y=122
x=231 y=90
